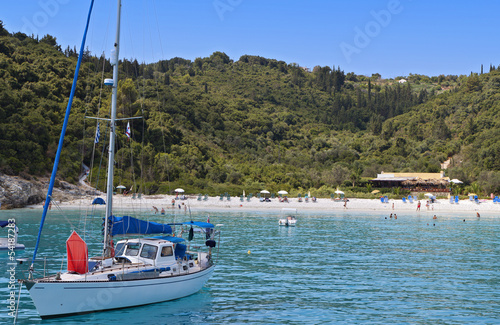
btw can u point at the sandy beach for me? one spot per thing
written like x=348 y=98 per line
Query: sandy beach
x=322 y=204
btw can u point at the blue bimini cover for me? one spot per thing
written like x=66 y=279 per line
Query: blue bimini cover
x=131 y=226
x=171 y=239
x=200 y=224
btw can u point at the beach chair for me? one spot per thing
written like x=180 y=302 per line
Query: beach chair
x=451 y=199
x=495 y=200
x=332 y=196
x=228 y=197
x=306 y=198
x=386 y=199
x=299 y=197
x=456 y=199
x=133 y=196
x=476 y=199
x=139 y=196
x=206 y=197
x=221 y=197
x=199 y=197
x=410 y=198
x=404 y=200
x=471 y=198
x=415 y=198
x=242 y=198
x=382 y=199
x=272 y=195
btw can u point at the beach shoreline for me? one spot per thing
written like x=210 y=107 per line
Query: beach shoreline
x=254 y=204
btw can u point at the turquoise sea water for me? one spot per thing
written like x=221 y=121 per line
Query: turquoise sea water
x=334 y=267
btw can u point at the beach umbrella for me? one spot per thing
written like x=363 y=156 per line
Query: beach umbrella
x=429 y=194
x=265 y=192
x=282 y=192
x=179 y=190
x=375 y=191
x=456 y=181
x=339 y=192
x=121 y=187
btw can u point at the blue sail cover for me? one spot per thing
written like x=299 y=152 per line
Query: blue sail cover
x=3 y=223
x=131 y=226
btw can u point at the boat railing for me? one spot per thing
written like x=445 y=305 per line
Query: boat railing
x=43 y=267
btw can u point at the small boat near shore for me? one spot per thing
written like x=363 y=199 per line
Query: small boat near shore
x=288 y=217
x=10 y=241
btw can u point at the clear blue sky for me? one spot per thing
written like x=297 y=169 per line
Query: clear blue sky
x=390 y=37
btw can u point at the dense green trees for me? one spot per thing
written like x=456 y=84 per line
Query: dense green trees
x=217 y=125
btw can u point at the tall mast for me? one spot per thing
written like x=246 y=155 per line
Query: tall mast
x=111 y=154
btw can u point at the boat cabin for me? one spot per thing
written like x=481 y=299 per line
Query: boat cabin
x=150 y=251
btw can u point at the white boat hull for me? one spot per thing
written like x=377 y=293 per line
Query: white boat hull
x=290 y=223
x=64 y=298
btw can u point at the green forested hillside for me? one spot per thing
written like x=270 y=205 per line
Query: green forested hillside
x=216 y=125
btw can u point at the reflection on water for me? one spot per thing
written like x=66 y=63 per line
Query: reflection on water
x=342 y=267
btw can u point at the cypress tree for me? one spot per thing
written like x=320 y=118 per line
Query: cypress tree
x=369 y=91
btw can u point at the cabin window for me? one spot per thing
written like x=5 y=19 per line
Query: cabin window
x=119 y=249
x=149 y=251
x=166 y=251
x=133 y=249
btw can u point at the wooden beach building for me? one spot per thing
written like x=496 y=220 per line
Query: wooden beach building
x=414 y=182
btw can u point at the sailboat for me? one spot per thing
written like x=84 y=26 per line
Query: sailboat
x=157 y=266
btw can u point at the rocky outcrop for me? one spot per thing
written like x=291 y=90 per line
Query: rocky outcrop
x=18 y=192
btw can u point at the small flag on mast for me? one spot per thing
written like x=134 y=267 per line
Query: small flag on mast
x=128 y=130
x=97 y=134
